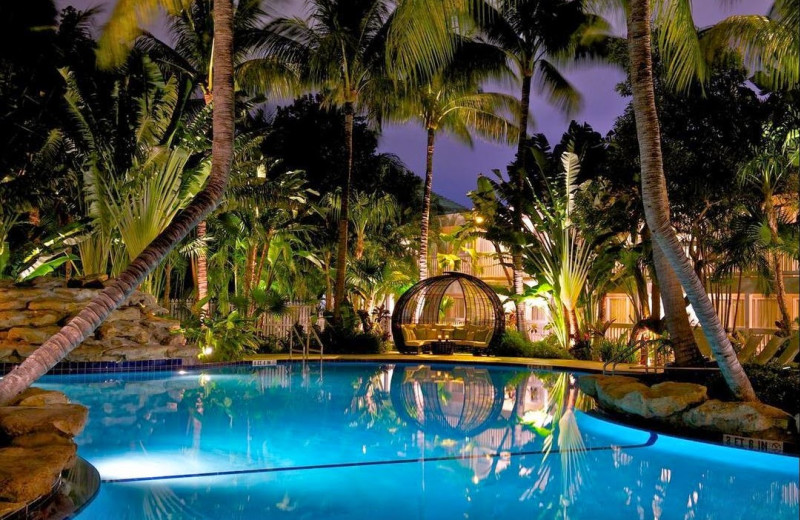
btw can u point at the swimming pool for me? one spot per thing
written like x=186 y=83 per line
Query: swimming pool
x=404 y=441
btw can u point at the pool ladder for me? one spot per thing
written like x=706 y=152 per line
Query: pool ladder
x=304 y=344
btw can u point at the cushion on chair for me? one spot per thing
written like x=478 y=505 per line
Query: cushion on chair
x=459 y=333
x=408 y=332
x=482 y=335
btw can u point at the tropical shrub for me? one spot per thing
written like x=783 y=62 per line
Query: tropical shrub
x=609 y=349
x=345 y=340
x=225 y=338
x=513 y=344
x=774 y=385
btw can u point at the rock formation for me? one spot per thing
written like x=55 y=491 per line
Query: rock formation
x=30 y=313
x=36 y=445
x=684 y=405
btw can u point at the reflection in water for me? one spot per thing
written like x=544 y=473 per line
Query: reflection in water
x=408 y=441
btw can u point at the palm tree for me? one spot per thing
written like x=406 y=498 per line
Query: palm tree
x=654 y=189
x=348 y=49
x=123 y=25
x=536 y=35
x=192 y=30
x=451 y=101
x=768 y=173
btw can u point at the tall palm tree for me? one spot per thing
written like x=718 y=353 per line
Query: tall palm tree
x=452 y=102
x=122 y=27
x=654 y=190
x=537 y=36
x=348 y=49
x=191 y=59
x=768 y=173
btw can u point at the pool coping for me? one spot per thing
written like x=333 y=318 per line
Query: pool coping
x=175 y=364
x=572 y=365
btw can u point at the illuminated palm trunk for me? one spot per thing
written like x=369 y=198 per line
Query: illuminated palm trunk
x=426 y=207
x=344 y=215
x=516 y=250
x=656 y=203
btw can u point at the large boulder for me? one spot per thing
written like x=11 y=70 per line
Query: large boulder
x=736 y=417
x=627 y=395
x=27 y=318
x=588 y=383
x=31 y=335
x=38 y=397
x=28 y=473
x=62 y=418
x=669 y=398
x=622 y=394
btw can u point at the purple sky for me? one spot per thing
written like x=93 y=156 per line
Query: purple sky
x=456 y=166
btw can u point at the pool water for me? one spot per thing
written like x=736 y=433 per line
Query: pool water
x=370 y=441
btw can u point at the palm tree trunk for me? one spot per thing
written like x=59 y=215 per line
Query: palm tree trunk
x=422 y=261
x=88 y=319
x=328 y=285
x=202 y=271
x=656 y=204
x=738 y=294
x=344 y=215
x=167 y=284
x=675 y=316
x=516 y=250
x=780 y=292
x=777 y=268
x=202 y=256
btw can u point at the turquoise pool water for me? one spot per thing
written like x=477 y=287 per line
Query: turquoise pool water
x=368 y=441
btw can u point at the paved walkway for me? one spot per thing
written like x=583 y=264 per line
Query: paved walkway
x=395 y=357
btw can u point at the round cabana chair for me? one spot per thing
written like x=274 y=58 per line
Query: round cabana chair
x=455 y=307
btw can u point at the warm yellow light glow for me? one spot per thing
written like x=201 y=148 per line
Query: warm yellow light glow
x=479 y=219
x=208 y=351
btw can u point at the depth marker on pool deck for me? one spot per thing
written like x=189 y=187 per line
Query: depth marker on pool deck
x=650 y=442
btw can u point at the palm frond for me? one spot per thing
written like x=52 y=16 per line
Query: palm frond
x=125 y=25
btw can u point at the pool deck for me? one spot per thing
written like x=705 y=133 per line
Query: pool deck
x=396 y=357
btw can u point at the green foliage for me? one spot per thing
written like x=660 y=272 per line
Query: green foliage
x=226 y=338
x=608 y=349
x=345 y=340
x=512 y=344
x=774 y=385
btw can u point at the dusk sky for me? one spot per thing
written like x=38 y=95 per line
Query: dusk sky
x=456 y=166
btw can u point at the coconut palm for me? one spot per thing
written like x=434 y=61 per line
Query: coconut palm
x=537 y=36
x=122 y=27
x=654 y=189
x=192 y=30
x=452 y=102
x=348 y=50
x=769 y=173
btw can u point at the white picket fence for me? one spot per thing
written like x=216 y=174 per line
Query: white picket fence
x=268 y=325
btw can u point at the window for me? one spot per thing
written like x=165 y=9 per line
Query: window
x=763 y=312
x=619 y=308
x=539 y=313
x=721 y=304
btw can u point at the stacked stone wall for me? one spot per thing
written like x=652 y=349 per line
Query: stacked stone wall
x=139 y=330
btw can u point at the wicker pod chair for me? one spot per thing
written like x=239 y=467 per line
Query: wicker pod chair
x=455 y=307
